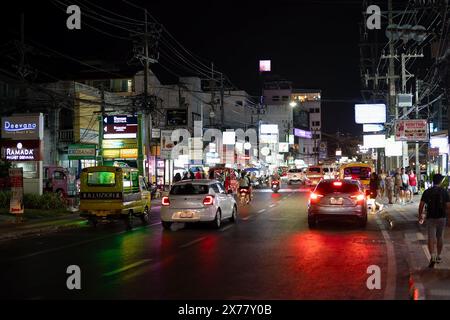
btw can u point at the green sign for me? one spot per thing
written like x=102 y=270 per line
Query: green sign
x=119 y=144
x=82 y=151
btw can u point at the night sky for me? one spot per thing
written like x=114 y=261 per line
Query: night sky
x=314 y=44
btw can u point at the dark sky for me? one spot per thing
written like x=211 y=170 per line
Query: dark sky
x=312 y=43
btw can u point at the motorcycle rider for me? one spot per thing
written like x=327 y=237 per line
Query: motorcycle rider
x=244 y=183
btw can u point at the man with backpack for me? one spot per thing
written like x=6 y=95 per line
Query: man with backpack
x=437 y=203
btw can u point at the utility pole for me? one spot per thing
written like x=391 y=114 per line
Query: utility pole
x=212 y=88
x=101 y=125
x=222 y=115
x=391 y=71
x=417 y=143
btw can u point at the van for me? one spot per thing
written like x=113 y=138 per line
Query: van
x=295 y=175
x=313 y=175
x=357 y=171
x=108 y=193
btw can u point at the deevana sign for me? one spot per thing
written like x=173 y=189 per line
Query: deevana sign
x=23 y=127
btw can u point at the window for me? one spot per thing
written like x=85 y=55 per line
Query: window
x=316 y=123
x=314 y=170
x=275 y=98
x=142 y=183
x=189 y=189
x=328 y=187
x=311 y=110
x=58 y=175
x=215 y=187
x=221 y=188
x=285 y=98
x=239 y=104
x=101 y=178
x=317 y=110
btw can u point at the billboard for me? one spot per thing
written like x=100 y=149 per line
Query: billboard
x=166 y=144
x=264 y=65
x=373 y=127
x=120 y=126
x=267 y=138
x=23 y=127
x=23 y=150
x=393 y=148
x=269 y=128
x=302 y=133
x=229 y=137
x=16 y=200
x=370 y=113
x=177 y=117
x=283 y=147
x=374 y=140
x=81 y=151
x=441 y=143
x=411 y=130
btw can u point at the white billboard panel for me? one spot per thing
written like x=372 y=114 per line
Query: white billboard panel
x=370 y=113
x=393 y=148
x=372 y=127
x=269 y=128
x=441 y=143
x=374 y=140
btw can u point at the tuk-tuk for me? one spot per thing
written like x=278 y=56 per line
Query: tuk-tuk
x=108 y=193
x=357 y=171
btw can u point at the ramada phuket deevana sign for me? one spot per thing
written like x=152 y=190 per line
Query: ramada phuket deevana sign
x=27 y=150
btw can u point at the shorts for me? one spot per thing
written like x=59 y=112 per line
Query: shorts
x=436 y=228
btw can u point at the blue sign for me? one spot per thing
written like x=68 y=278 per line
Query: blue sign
x=120 y=119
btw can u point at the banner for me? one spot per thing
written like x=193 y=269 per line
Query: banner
x=166 y=144
x=16 y=201
x=411 y=130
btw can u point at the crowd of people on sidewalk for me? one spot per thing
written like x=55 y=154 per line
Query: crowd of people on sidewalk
x=400 y=184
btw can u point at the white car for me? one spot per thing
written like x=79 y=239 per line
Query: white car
x=198 y=201
x=295 y=175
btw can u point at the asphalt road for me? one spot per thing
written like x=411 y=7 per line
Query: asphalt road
x=268 y=254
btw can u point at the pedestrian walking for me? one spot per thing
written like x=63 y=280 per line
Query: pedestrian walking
x=382 y=184
x=413 y=183
x=405 y=186
x=389 y=185
x=198 y=175
x=437 y=202
x=398 y=186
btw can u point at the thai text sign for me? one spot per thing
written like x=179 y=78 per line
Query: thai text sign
x=411 y=130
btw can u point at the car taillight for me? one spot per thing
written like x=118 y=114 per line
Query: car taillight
x=275 y=182
x=359 y=197
x=165 y=201
x=209 y=200
x=315 y=196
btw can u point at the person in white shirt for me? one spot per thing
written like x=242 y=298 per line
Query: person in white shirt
x=405 y=186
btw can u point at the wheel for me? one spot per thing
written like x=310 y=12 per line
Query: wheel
x=145 y=216
x=234 y=215
x=217 y=223
x=128 y=221
x=363 y=222
x=166 y=225
x=312 y=222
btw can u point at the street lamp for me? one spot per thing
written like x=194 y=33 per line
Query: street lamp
x=293 y=104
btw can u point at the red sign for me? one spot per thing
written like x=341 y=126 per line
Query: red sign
x=16 y=200
x=120 y=128
x=21 y=150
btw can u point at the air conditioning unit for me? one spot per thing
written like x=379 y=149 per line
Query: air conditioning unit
x=404 y=100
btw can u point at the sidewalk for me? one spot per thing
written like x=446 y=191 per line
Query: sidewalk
x=10 y=229
x=425 y=283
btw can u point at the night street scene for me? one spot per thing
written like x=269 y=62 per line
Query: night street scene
x=239 y=152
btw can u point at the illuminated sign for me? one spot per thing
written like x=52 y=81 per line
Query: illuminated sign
x=370 y=113
x=111 y=153
x=81 y=151
x=393 y=148
x=119 y=144
x=411 y=130
x=27 y=150
x=374 y=141
x=120 y=126
x=283 y=147
x=441 y=143
x=372 y=127
x=264 y=65
x=129 y=153
x=269 y=128
x=302 y=133
x=23 y=127
x=229 y=138
x=267 y=138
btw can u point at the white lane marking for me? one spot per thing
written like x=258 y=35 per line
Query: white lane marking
x=245 y=218
x=226 y=228
x=75 y=244
x=261 y=211
x=127 y=267
x=391 y=280
x=426 y=251
x=272 y=205
x=420 y=236
x=192 y=242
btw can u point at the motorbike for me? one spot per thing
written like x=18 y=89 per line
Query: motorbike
x=244 y=196
x=275 y=186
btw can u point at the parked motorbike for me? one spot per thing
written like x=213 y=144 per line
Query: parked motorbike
x=275 y=186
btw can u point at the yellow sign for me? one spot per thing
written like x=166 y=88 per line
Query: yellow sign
x=111 y=153
x=129 y=153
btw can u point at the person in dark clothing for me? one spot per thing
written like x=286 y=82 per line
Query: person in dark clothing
x=374 y=185
x=186 y=176
x=437 y=202
x=177 y=177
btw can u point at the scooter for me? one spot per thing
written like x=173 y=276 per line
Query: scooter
x=275 y=186
x=244 y=196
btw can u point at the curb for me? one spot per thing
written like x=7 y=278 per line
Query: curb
x=39 y=231
x=416 y=288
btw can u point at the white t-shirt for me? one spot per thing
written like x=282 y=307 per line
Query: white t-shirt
x=405 y=179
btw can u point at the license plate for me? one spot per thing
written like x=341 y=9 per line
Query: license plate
x=338 y=201
x=186 y=215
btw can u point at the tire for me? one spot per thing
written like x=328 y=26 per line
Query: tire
x=217 y=223
x=129 y=221
x=233 y=218
x=312 y=222
x=363 y=222
x=145 y=216
x=166 y=225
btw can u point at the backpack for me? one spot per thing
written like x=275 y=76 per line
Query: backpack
x=436 y=207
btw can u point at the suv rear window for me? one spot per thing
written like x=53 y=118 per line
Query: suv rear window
x=314 y=170
x=328 y=187
x=189 y=189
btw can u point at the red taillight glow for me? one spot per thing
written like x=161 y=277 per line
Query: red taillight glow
x=275 y=182
x=337 y=183
x=165 y=201
x=209 y=200
x=315 y=196
x=359 y=197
